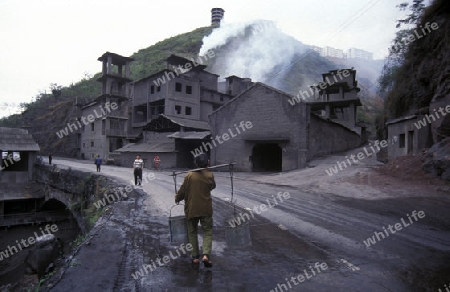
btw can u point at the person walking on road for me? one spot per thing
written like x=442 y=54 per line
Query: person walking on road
x=138 y=165
x=50 y=158
x=98 y=162
x=196 y=193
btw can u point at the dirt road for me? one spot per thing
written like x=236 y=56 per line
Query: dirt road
x=322 y=221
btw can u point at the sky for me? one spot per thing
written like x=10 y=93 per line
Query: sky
x=59 y=41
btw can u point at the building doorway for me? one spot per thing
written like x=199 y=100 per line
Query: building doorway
x=410 y=142
x=267 y=157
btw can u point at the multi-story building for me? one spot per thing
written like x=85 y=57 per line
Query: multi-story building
x=337 y=98
x=262 y=131
x=104 y=121
x=171 y=109
x=316 y=49
x=332 y=52
x=354 y=53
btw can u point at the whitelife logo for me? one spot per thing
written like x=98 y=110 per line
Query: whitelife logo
x=10 y=250
x=90 y=119
x=360 y=156
x=398 y=226
x=183 y=69
x=322 y=85
x=243 y=125
x=242 y=217
x=433 y=117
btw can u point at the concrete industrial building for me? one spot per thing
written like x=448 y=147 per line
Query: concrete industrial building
x=180 y=109
x=171 y=107
x=338 y=98
x=109 y=129
x=282 y=137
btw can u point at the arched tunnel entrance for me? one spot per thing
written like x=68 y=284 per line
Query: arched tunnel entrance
x=267 y=157
x=25 y=220
x=34 y=211
x=55 y=210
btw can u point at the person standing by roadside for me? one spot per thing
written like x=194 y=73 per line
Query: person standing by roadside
x=196 y=193
x=138 y=165
x=156 y=160
x=98 y=162
x=50 y=158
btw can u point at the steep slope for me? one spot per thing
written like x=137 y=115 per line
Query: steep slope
x=422 y=83
x=424 y=76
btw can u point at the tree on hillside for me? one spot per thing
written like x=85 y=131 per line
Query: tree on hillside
x=56 y=89
x=396 y=58
x=400 y=45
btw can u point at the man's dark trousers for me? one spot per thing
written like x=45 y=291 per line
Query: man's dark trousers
x=137 y=176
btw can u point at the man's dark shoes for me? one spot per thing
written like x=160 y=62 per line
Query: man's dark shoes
x=206 y=261
x=195 y=261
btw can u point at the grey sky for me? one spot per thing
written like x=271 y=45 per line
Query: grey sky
x=57 y=41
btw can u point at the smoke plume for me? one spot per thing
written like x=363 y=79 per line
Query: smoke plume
x=254 y=49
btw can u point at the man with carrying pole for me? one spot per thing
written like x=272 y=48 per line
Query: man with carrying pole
x=196 y=193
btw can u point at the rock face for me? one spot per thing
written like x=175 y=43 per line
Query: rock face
x=440 y=128
x=430 y=74
x=423 y=83
x=46 y=250
x=437 y=160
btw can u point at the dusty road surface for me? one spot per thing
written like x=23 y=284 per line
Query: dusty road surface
x=361 y=229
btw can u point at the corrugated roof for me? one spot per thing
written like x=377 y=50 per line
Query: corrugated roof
x=187 y=123
x=190 y=135
x=148 y=147
x=17 y=139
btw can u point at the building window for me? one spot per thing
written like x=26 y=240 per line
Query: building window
x=401 y=142
x=178 y=87
x=188 y=89
x=92 y=127
x=152 y=89
x=188 y=111
x=158 y=88
x=92 y=143
x=178 y=109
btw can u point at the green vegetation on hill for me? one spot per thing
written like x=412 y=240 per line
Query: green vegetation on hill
x=147 y=61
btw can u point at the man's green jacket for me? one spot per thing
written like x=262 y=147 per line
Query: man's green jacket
x=196 y=193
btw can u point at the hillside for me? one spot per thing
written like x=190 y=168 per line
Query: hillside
x=421 y=85
x=423 y=77
x=51 y=112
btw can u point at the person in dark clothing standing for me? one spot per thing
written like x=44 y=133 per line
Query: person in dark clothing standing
x=196 y=193
x=98 y=162
x=138 y=165
x=50 y=158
